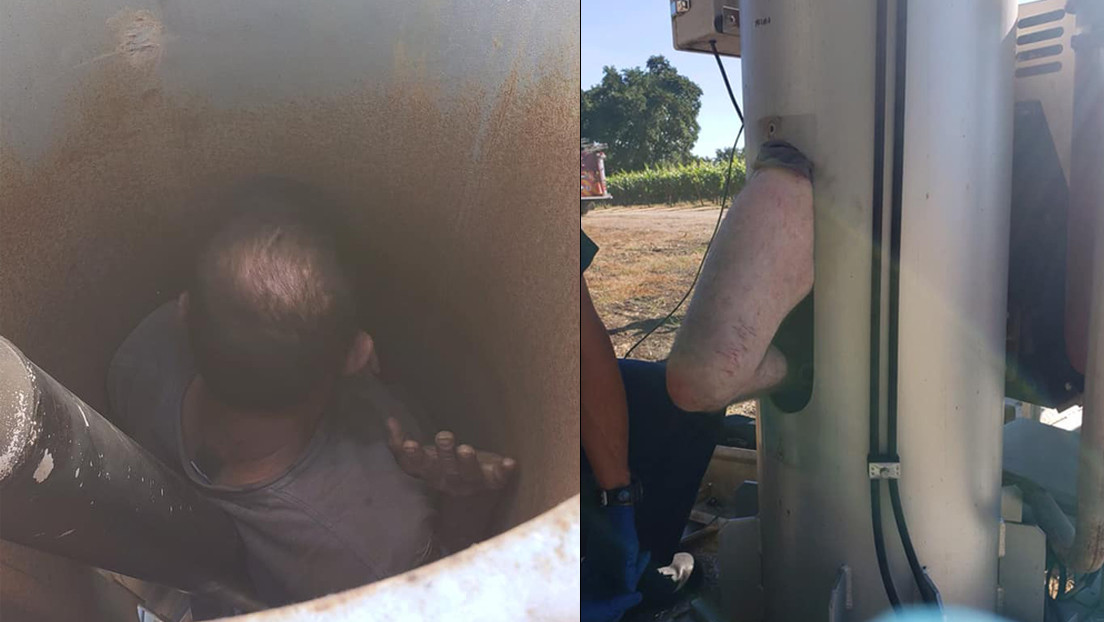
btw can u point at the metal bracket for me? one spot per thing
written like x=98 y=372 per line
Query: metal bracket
x=678 y=7
x=885 y=470
x=730 y=21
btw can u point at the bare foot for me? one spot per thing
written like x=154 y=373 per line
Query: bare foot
x=458 y=470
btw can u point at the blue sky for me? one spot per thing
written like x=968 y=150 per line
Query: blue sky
x=624 y=33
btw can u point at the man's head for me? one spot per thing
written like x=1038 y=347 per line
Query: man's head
x=270 y=313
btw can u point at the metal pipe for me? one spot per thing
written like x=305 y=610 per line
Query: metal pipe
x=814 y=485
x=1086 y=554
x=72 y=484
x=1048 y=515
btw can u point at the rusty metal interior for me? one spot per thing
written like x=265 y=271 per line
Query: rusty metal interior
x=446 y=134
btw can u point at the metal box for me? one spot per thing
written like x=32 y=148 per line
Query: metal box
x=694 y=23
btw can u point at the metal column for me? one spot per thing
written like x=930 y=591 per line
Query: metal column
x=809 y=73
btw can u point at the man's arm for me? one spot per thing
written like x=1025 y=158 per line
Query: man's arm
x=605 y=419
x=759 y=268
x=613 y=563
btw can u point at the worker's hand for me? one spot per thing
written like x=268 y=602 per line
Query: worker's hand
x=612 y=566
x=453 y=469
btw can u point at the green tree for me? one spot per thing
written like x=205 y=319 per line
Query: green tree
x=722 y=155
x=648 y=116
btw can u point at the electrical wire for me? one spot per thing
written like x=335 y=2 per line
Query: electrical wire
x=875 y=304
x=928 y=591
x=724 y=76
x=720 y=212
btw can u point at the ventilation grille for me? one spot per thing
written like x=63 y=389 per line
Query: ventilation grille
x=1041 y=41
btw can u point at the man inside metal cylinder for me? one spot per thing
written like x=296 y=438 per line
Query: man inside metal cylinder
x=260 y=387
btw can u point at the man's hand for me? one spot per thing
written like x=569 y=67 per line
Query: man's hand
x=447 y=467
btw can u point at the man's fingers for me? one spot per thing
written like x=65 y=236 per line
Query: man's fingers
x=395 y=436
x=446 y=453
x=469 y=464
x=411 y=458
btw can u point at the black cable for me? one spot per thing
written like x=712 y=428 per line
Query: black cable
x=875 y=303
x=879 y=544
x=720 y=213
x=928 y=591
x=701 y=264
x=724 y=76
x=896 y=199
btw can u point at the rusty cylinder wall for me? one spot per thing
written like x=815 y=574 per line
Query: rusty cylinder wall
x=446 y=131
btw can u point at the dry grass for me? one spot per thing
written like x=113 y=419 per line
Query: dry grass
x=646 y=260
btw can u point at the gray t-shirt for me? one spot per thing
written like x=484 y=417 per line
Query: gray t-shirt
x=344 y=515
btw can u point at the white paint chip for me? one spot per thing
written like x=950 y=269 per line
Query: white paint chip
x=25 y=431
x=45 y=466
x=77 y=472
x=64 y=534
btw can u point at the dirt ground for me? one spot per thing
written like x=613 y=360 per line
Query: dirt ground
x=646 y=260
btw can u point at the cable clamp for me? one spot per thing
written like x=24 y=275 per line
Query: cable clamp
x=884 y=467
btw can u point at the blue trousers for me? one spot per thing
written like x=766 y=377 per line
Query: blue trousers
x=669 y=450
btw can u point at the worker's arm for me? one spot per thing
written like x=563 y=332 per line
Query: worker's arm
x=613 y=562
x=605 y=419
x=758 y=269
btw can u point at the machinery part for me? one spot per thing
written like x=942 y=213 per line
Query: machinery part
x=1011 y=504
x=1081 y=546
x=1022 y=568
x=740 y=565
x=1036 y=454
x=1039 y=369
x=697 y=24
x=1086 y=553
x=72 y=484
x=1050 y=518
x=814 y=477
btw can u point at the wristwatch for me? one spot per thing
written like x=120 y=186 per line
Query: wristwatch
x=625 y=495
